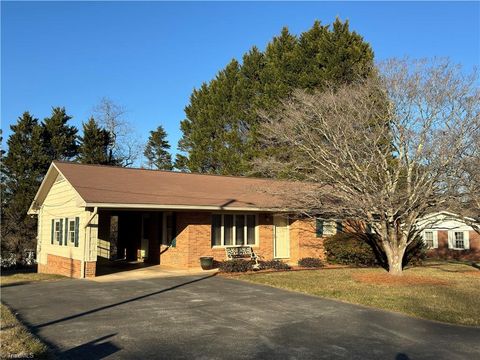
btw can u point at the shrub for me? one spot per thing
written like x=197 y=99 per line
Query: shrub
x=310 y=262
x=350 y=249
x=237 y=265
x=416 y=253
x=364 y=250
x=274 y=264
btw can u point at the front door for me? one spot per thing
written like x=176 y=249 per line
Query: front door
x=280 y=237
x=145 y=237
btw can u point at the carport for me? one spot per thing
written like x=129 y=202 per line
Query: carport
x=131 y=239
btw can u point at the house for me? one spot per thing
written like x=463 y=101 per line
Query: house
x=450 y=236
x=89 y=214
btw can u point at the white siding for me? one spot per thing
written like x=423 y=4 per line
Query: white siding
x=61 y=202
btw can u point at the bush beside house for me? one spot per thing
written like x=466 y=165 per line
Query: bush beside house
x=350 y=249
x=364 y=250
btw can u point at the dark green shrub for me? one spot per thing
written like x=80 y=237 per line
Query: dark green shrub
x=350 y=249
x=237 y=265
x=310 y=262
x=365 y=250
x=416 y=253
x=274 y=264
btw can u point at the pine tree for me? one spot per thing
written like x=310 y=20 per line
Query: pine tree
x=156 y=150
x=60 y=139
x=220 y=132
x=22 y=171
x=95 y=145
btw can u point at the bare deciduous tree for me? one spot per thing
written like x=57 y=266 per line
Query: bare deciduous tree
x=384 y=152
x=125 y=146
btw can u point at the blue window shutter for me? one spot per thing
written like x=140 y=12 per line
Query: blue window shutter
x=77 y=224
x=339 y=227
x=66 y=232
x=60 y=231
x=319 y=228
x=53 y=230
x=174 y=230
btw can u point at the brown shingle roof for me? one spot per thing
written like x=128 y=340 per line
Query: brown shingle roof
x=115 y=185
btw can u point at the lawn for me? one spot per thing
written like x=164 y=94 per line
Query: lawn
x=15 y=340
x=442 y=291
x=25 y=278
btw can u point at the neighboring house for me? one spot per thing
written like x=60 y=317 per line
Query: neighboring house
x=450 y=236
x=91 y=212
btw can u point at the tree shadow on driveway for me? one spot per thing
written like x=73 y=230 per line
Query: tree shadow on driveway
x=92 y=311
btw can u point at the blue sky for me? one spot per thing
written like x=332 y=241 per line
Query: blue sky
x=149 y=56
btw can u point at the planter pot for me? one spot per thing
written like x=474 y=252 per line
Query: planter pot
x=206 y=262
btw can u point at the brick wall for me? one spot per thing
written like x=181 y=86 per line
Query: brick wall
x=444 y=252
x=90 y=269
x=194 y=240
x=67 y=267
x=61 y=265
x=304 y=241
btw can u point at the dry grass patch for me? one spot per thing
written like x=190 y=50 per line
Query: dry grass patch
x=443 y=291
x=16 y=341
x=386 y=279
x=25 y=278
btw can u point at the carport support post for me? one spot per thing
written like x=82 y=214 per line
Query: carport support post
x=90 y=241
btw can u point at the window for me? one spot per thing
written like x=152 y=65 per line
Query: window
x=71 y=231
x=233 y=230
x=58 y=236
x=428 y=238
x=216 y=230
x=459 y=240
x=327 y=227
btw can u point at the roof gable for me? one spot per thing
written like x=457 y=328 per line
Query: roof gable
x=52 y=176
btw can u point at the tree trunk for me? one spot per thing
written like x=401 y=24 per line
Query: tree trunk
x=395 y=259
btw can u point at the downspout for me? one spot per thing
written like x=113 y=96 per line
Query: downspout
x=84 y=267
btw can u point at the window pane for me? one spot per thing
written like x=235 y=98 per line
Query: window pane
x=429 y=238
x=71 y=229
x=251 y=229
x=216 y=230
x=228 y=229
x=239 y=229
x=329 y=227
x=459 y=244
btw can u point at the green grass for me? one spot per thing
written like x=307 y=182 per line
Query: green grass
x=15 y=339
x=442 y=291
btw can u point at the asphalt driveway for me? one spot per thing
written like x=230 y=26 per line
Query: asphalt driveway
x=210 y=317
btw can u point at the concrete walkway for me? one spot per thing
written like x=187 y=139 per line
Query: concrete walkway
x=151 y=272
x=211 y=317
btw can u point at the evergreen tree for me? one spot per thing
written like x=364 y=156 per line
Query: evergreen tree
x=95 y=145
x=220 y=132
x=156 y=150
x=60 y=139
x=22 y=171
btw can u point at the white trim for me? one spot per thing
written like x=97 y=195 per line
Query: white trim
x=275 y=238
x=451 y=239
x=179 y=207
x=451 y=215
